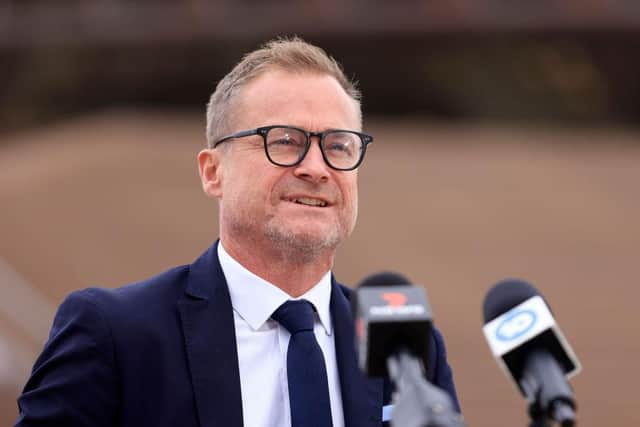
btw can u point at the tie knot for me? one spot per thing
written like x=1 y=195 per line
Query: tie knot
x=295 y=316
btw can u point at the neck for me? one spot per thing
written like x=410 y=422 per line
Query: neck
x=286 y=268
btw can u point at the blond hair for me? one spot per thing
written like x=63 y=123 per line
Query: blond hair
x=290 y=54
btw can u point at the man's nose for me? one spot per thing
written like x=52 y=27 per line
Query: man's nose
x=313 y=167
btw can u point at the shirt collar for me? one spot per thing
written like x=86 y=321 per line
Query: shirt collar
x=255 y=299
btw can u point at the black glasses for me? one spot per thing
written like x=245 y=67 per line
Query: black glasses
x=342 y=150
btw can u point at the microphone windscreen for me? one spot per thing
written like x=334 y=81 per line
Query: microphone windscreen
x=505 y=295
x=385 y=278
x=391 y=315
x=519 y=324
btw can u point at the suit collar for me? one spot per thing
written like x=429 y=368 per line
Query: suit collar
x=208 y=327
x=362 y=398
x=203 y=275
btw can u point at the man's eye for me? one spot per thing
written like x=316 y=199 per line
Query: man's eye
x=285 y=142
x=338 y=147
x=341 y=148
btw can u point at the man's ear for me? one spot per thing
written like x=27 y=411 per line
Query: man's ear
x=210 y=168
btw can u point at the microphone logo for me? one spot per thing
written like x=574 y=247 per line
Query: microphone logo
x=516 y=324
x=397 y=304
x=394 y=299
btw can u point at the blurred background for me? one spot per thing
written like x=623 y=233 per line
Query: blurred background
x=507 y=145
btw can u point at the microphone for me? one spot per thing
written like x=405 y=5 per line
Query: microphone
x=528 y=345
x=390 y=315
x=393 y=330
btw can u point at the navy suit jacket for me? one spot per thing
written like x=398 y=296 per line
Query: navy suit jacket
x=162 y=352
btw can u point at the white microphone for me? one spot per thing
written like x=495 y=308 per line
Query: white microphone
x=528 y=345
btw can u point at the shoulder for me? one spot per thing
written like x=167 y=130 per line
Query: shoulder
x=103 y=312
x=134 y=295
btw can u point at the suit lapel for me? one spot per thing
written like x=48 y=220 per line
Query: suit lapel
x=210 y=343
x=361 y=397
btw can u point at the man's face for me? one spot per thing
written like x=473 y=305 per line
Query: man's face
x=309 y=207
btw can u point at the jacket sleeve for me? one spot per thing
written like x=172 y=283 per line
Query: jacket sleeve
x=74 y=381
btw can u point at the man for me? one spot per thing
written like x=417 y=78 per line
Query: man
x=256 y=332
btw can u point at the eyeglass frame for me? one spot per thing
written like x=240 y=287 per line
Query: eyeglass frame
x=264 y=130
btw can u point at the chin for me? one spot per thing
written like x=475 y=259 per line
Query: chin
x=307 y=241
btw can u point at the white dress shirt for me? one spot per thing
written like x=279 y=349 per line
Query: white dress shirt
x=262 y=345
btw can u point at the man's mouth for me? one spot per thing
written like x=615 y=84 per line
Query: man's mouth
x=309 y=201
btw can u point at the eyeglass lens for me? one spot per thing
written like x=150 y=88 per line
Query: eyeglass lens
x=285 y=146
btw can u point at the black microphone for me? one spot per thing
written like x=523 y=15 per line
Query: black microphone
x=393 y=330
x=529 y=346
x=391 y=314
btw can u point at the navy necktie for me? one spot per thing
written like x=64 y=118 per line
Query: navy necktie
x=306 y=371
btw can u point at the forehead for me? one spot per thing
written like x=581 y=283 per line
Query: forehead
x=309 y=100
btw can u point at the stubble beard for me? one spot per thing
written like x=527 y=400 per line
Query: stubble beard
x=292 y=246
x=283 y=241
x=301 y=247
